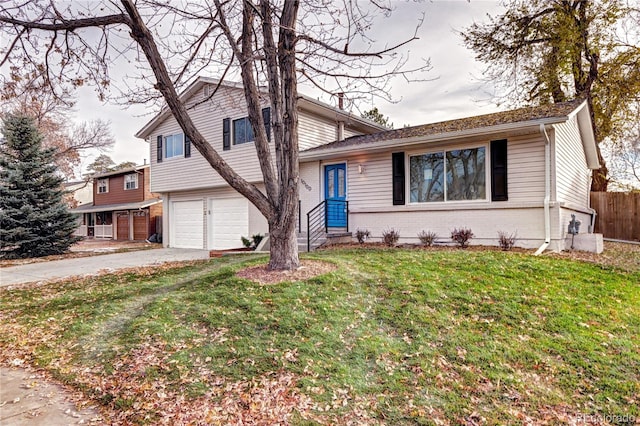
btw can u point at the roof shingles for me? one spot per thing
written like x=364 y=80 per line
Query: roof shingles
x=476 y=122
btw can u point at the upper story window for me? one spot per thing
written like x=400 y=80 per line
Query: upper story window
x=242 y=131
x=174 y=145
x=456 y=175
x=103 y=186
x=131 y=181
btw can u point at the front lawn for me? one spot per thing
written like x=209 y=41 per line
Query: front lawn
x=390 y=337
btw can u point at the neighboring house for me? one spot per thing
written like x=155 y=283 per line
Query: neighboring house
x=79 y=192
x=200 y=210
x=524 y=171
x=123 y=206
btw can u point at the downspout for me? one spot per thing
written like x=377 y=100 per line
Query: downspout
x=592 y=212
x=340 y=135
x=547 y=191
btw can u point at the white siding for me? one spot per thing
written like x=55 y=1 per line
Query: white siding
x=349 y=131
x=572 y=174
x=314 y=131
x=179 y=173
x=525 y=163
x=310 y=189
x=528 y=224
x=372 y=188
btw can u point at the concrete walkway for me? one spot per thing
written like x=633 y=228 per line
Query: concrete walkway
x=28 y=399
x=82 y=266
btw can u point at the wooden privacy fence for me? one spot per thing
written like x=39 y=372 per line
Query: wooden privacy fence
x=618 y=214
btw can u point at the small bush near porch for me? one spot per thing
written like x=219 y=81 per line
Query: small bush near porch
x=392 y=336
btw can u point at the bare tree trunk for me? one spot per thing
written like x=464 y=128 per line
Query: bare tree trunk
x=600 y=181
x=284 y=243
x=283 y=251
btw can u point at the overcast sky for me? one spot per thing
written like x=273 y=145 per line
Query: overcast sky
x=455 y=91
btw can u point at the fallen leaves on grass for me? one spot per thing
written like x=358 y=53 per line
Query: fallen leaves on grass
x=625 y=256
x=133 y=396
x=308 y=269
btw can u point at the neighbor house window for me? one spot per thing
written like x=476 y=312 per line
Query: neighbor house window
x=131 y=181
x=242 y=131
x=456 y=175
x=174 y=145
x=103 y=218
x=103 y=186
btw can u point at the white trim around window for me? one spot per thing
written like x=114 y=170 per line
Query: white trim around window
x=174 y=145
x=242 y=131
x=103 y=186
x=458 y=174
x=130 y=181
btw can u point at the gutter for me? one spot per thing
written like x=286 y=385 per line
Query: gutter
x=547 y=191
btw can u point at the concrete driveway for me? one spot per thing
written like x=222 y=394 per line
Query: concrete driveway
x=58 y=269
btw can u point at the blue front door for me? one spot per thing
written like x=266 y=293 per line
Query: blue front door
x=335 y=193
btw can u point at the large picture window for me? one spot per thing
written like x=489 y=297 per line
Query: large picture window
x=242 y=131
x=456 y=175
x=174 y=145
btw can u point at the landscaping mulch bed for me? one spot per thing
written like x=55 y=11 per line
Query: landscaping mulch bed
x=308 y=269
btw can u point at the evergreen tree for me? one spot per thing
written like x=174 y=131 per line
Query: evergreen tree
x=34 y=219
x=102 y=164
x=377 y=117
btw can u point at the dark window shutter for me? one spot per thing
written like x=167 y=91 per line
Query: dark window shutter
x=397 y=160
x=159 y=149
x=226 y=134
x=499 y=190
x=266 y=117
x=187 y=147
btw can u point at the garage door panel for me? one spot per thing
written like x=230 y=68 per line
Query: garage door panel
x=229 y=222
x=188 y=224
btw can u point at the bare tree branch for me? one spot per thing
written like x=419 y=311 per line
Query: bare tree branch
x=165 y=45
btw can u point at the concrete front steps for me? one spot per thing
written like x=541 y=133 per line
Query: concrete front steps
x=334 y=236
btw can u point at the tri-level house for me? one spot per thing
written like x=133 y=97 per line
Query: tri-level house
x=524 y=172
x=123 y=208
x=200 y=210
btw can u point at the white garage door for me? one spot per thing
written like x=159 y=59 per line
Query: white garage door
x=188 y=225
x=229 y=222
